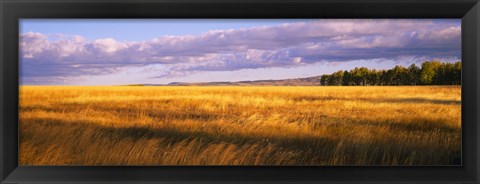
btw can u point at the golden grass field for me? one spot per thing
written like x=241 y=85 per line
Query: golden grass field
x=227 y=125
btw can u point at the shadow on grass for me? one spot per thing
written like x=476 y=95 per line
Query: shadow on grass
x=321 y=148
x=218 y=136
x=174 y=135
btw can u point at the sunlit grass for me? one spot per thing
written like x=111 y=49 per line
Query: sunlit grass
x=239 y=125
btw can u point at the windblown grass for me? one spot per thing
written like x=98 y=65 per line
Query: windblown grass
x=136 y=125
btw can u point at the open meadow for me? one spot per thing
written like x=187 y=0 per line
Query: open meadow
x=233 y=125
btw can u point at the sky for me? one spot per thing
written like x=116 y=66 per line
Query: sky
x=161 y=51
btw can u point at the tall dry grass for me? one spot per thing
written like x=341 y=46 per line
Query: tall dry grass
x=239 y=125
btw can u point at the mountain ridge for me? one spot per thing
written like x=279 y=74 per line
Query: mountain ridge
x=307 y=81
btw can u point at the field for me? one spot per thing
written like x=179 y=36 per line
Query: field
x=249 y=125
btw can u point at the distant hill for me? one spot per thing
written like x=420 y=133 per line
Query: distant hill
x=309 y=81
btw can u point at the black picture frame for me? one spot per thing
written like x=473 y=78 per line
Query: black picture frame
x=12 y=10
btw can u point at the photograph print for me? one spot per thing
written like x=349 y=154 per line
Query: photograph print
x=240 y=92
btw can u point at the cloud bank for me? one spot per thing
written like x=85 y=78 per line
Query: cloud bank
x=45 y=57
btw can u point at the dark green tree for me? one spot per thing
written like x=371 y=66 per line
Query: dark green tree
x=414 y=74
x=324 y=80
x=346 y=78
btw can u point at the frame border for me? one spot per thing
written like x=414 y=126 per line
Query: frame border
x=12 y=10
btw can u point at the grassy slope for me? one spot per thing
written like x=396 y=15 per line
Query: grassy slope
x=239 y=125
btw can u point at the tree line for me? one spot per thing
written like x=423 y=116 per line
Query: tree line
x=430 y=73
